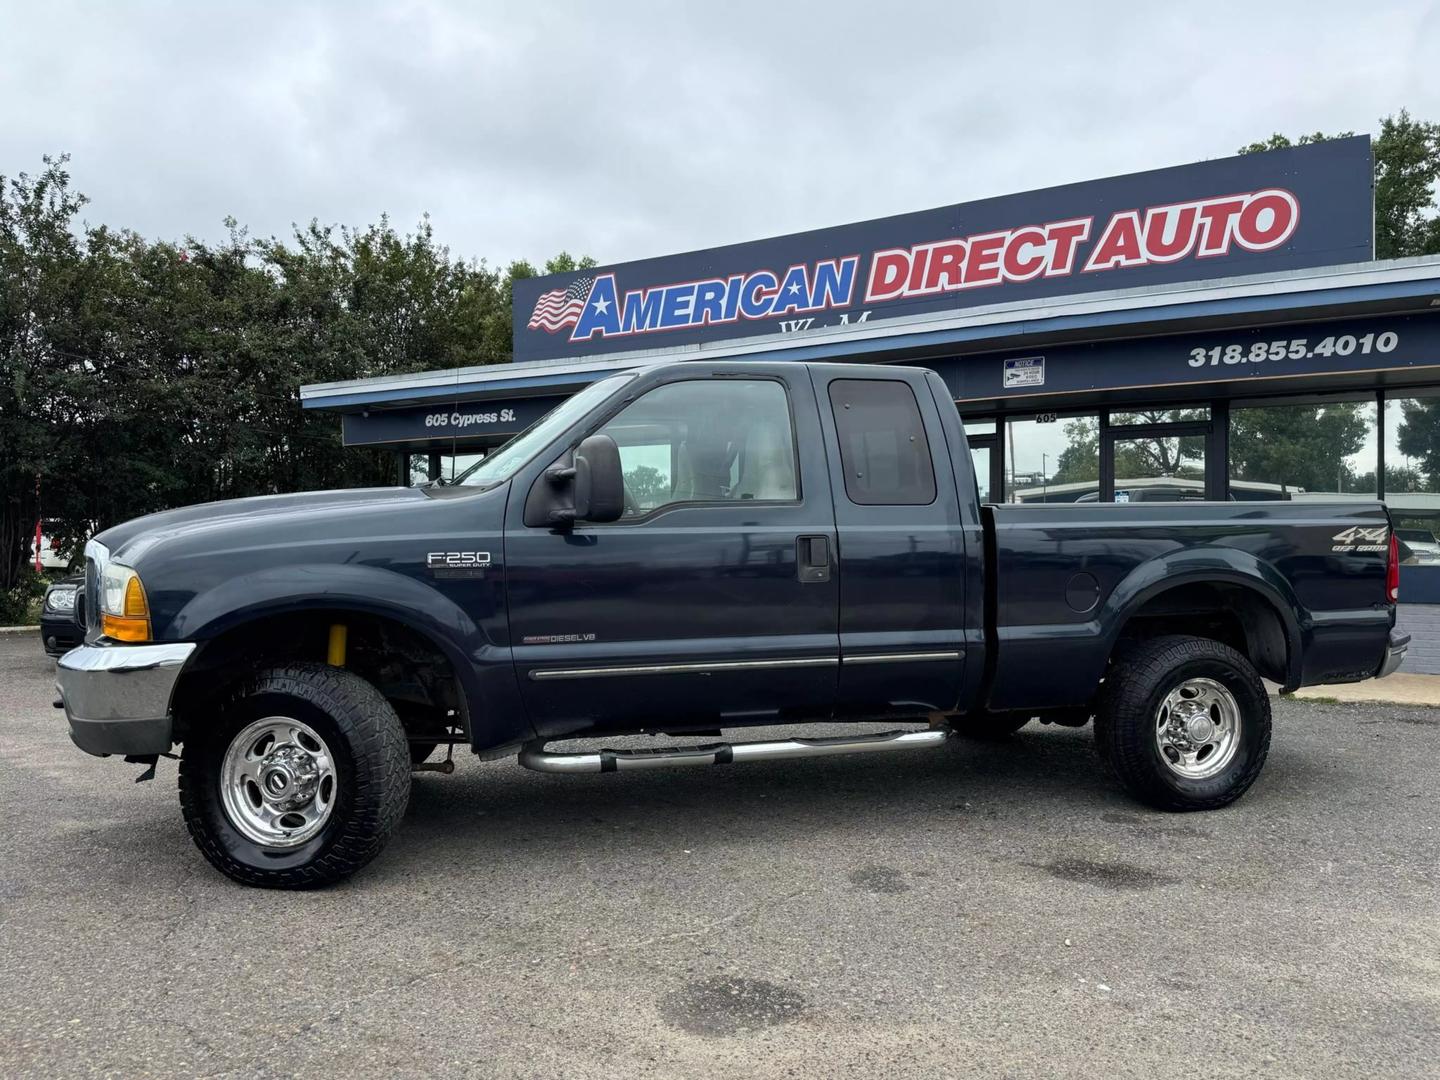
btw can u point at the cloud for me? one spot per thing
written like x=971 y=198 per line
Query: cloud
x=632 y=129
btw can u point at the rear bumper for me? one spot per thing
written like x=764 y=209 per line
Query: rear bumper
x=1394 y=654
x=117 y=697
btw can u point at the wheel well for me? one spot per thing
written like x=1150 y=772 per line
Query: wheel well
x=1231 y=614
x=406 y=666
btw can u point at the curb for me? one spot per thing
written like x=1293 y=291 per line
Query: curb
x=18 y=629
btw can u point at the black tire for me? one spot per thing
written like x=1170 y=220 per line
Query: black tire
x=989 y=727
x=1130 y=702
x=372 y=776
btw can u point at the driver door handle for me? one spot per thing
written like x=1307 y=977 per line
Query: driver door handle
x=812 y=559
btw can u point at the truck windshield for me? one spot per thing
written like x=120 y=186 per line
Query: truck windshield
x=502 y=463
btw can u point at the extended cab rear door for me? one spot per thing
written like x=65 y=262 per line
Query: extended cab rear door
x=900 y=542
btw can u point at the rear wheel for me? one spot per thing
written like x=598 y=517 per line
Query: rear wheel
x=299 y=781
x=1184 y=723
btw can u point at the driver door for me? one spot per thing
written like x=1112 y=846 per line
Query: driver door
x=713 y=599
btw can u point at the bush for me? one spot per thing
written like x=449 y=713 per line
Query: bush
x=21 y=605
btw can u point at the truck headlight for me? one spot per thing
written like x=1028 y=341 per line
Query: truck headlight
x=60 y=600
x=124 y=611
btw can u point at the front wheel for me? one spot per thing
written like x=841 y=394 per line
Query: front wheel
x=299 y=781
x=1184 y=723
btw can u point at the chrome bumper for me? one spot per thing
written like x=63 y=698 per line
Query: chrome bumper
x=117 y=697
x=1395 y=654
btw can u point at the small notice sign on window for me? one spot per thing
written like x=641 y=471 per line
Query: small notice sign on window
x=1024 y=371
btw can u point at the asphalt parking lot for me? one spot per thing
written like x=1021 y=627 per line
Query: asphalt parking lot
x=978 y=911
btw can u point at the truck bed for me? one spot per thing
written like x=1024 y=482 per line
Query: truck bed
x=1064 y=580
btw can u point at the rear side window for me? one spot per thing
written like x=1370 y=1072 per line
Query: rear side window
x=883 y=449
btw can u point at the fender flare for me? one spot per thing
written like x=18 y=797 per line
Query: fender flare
x=1212 y=565
x=362 y=589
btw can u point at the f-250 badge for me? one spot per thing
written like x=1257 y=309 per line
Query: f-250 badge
x=1361 y=539
x=457 y=564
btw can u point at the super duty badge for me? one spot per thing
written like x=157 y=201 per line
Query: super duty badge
x=457 y=564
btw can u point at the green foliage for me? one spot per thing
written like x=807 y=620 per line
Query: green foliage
x=1407 y=166
x=138 y=375
x=1418 y=436
x=1300 y=446
x=646 y=485
x=19 y=604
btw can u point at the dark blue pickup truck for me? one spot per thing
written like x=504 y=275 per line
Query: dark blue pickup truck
x=686 y=548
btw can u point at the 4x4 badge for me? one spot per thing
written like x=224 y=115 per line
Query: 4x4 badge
x=1361 y=539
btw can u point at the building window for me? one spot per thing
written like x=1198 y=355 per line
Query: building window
x=1160 y=416
x=1303 y=450
x=1412 y=485
x=883 y=449
x=1052 y=459
x=706 y=441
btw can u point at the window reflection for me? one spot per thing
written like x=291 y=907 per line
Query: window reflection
x=1412 y=477
x=1052 y=460
x=1303 y=451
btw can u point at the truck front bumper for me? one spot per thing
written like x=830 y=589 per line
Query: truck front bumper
x=1394 y=654
x=117 y=697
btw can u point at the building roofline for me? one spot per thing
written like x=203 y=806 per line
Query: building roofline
x=1380 y=280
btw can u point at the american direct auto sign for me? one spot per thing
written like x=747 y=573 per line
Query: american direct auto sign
x=1285 y=209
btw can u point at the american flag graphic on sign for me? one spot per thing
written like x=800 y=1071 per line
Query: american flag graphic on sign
x=560 y=308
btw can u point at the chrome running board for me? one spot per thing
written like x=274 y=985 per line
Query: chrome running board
x=535 y=756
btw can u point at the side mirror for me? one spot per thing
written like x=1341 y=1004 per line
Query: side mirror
x=599 y=480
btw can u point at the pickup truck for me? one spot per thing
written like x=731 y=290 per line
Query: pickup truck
x=687 y=548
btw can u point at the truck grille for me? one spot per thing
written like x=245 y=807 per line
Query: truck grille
x=96 y=556
x=92 y=594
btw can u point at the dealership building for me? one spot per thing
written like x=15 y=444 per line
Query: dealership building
x=1214 y=331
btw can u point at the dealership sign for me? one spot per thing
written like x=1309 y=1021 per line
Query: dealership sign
x=1284 y=209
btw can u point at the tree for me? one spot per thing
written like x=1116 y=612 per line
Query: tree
x=1418 y=436
x=1299 y=446
x=138 y=375
x=1407 y=166
x=646 y=485
x=40 y=292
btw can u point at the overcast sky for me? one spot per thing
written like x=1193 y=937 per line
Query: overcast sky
x=624 y=130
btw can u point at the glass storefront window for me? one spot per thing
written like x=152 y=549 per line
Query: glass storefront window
x=980 y=455
x=1303 y=451
x=451 y=466
x=1160 y=416
x=1412 y=481
x=1167 y=468
x=1052 y=460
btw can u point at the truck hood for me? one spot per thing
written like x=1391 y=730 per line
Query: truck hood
x=130 y=539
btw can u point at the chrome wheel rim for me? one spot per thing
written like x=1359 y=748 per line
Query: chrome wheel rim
x=277 y=782
x=1197 y=729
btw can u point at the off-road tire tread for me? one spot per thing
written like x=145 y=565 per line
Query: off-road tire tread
x=1122 y=721
x=381 y=755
